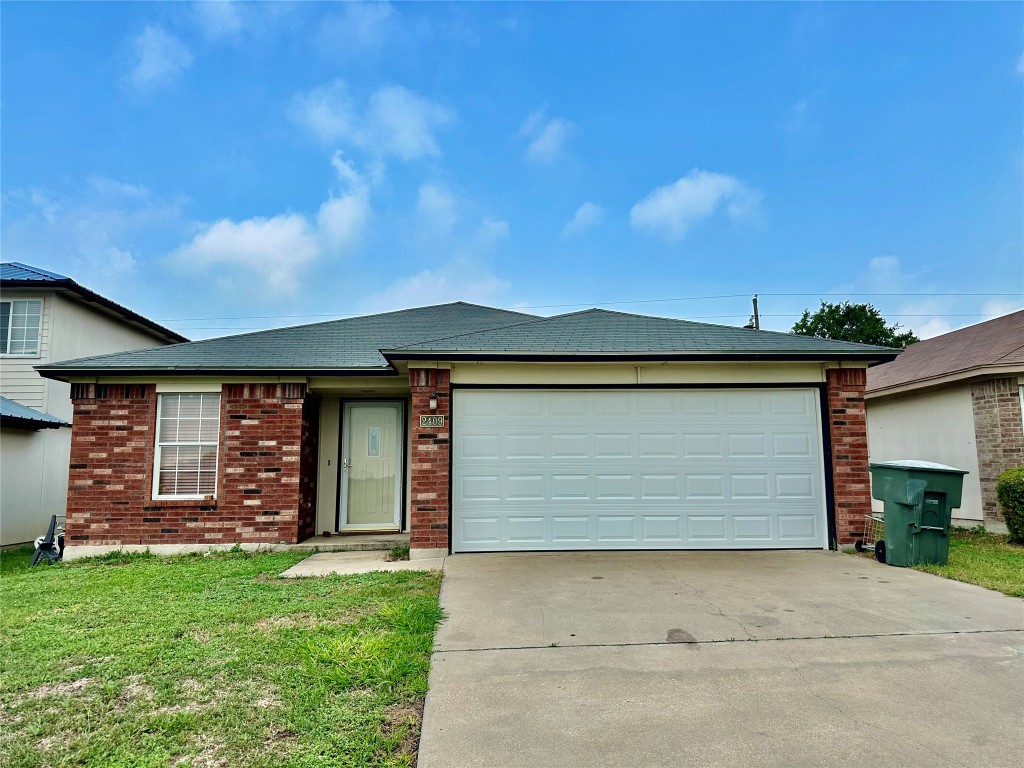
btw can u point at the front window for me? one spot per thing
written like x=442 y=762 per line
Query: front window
x=188 y=430
x=19 y=327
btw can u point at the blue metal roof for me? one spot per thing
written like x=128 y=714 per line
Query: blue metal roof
x=28 y=417
x=13 y=270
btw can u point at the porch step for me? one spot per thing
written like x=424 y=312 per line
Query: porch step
x=370 y=542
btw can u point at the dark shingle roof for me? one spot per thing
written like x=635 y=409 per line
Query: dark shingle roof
x=993 y=343
x=336 y=345
x=21 y=416
x=368 y=343
x=604 y=332
x=13 y=274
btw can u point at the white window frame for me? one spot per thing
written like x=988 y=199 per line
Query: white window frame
x=39 y=333
x=160 y=445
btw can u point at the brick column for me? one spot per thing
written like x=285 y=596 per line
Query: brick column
x=431 y=463
x=998 y=435
x=848 y=424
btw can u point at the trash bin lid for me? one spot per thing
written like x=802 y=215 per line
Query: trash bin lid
x=919 y=464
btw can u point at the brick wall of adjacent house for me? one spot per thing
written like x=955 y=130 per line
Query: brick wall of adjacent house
x=998 y=434
x=431 y=466
x=849 y=437
x=266 y=436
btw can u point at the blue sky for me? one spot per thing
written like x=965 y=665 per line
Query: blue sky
x=220 y=166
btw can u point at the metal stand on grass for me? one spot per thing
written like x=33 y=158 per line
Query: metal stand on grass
x=51 y=546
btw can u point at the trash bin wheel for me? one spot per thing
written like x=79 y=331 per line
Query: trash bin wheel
x=858 y=545
x=880 y=551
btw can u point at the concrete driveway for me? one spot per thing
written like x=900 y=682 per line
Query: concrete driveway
x=720 y=659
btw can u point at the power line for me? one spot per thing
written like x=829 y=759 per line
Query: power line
x=620 y=302
x=740 y=315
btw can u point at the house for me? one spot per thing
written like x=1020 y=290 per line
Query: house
x=474 y=429
x=46 y=317
x=955 y=399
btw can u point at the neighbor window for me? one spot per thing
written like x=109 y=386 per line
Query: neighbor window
x=19 y=327
x=188 y=427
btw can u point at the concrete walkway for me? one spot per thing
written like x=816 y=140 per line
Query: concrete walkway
x=330 y=563
x=720 y=659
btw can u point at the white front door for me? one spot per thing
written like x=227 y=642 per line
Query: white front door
x=371 y=466
x=637 y=469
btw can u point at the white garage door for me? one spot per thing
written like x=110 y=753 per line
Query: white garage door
x=636 y=469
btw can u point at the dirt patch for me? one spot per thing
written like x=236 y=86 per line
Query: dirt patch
x=300 y=620
x=135 y=690
x=403 y=721
x=57 y=689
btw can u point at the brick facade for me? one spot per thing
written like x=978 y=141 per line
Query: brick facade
x=998 y=434
x=431 y=465
x=267 y=433
x=848 y=427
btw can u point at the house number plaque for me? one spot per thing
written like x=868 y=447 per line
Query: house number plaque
x=431 y=421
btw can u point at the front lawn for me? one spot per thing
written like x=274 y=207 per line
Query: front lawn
x=211 y=661
x=987 y=559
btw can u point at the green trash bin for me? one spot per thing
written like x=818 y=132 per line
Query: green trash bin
x=919 y=499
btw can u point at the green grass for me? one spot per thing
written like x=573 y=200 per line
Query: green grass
x=986 y=559
x=399 y=552
x=134 y=660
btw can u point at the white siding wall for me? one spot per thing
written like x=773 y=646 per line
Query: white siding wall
x=934 y=426
x=34 y=483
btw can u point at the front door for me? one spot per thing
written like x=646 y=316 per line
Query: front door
x=371 y=466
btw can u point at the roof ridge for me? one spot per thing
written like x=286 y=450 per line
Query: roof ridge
x=328 y=322
x=789 y=334
x=534 y=319
x=1010 y=352
x=974 y=325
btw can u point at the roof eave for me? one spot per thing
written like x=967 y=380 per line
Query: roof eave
x=34 y=425
x=964 y=375
x=58 y=373
x=151 y=327
x=872 y=357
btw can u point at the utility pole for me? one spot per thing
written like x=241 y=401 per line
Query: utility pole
x=757 y=317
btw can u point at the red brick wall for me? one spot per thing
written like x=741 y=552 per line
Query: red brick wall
x=264 y=431
x=431 y=464
x=999 y=436
x=848 y=426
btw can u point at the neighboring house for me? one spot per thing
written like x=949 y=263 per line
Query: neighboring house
x=955 y=399
x=474 y=429
x=45 y=318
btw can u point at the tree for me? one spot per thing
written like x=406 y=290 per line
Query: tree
x=852 y=322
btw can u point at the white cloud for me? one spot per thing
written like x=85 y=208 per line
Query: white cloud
x=404 y=123
x=358 y=27
x=491 y=231
x=586 y=216
x=673 y=209
x=1000 y=307
x=395 y=121
x=456 y=281
x=219 y=19
x=436 y=209
x=547 y=136
x=159 y=58
x=97 y=232
x=275 y=251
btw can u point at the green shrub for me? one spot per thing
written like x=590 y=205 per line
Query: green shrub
x=1010 y=492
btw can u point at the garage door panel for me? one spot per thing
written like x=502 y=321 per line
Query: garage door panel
x=575 y=469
